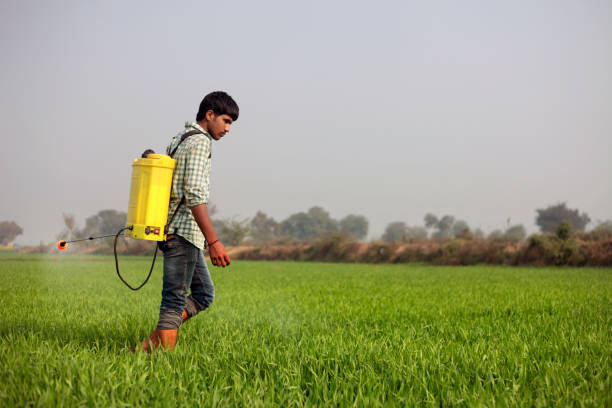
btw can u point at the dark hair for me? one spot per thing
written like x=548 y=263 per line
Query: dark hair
x=220 y=103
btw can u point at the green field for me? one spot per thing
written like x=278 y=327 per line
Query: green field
x=295 y=334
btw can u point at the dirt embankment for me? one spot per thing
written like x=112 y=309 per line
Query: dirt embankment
x=538 y=250
x=580 y=249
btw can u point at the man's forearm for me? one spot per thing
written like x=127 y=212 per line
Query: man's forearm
x=216 y=250
x=200 y=213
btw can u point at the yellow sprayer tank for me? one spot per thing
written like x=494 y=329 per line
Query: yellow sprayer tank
x=149 y=197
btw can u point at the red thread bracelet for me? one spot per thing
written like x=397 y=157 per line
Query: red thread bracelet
x=213 y=243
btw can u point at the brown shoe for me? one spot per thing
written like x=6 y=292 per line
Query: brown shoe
x=160 y=338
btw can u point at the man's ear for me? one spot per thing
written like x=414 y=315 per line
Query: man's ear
x=210 y=115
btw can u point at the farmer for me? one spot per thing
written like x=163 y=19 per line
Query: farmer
x=189 y=227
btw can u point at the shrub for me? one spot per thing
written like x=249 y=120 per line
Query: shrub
x=562 y=248
x=330 y=247
x=596 y=235
x=378 y=252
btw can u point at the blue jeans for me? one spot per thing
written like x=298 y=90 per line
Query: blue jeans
x=184 y=268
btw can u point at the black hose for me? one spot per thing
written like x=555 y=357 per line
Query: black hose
x=90 y=238
x=117 y=262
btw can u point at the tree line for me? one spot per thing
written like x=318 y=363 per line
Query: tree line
x=547 y=219
x=299 y=227
x=315 y=222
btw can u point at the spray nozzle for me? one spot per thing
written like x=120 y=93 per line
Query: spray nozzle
x=62 y=245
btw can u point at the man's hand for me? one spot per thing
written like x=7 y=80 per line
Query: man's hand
x=218 y=254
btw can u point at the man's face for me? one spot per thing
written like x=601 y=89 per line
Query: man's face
x=219 y=125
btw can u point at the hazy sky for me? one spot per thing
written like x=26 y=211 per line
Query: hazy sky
x=482 y=110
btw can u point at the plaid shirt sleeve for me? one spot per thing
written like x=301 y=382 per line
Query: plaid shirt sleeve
x=197 y=171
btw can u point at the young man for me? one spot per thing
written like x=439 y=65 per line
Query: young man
x=189 y=224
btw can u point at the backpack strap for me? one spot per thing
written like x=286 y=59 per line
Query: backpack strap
x=185 y=136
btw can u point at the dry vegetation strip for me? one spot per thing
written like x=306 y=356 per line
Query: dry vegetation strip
x=539 y=250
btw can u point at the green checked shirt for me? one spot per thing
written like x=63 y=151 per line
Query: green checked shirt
x=191 y=179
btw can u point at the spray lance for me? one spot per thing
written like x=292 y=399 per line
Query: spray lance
x=147 y=216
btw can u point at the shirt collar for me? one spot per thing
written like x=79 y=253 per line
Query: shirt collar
x=195 y=126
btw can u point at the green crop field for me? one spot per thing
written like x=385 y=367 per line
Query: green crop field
x=295 y=334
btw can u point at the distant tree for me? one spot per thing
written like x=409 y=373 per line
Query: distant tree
x=211 y=208
x=218 y=225
x=460 y=229
x=307 y=226
x=444 y=227
x=416 y=232
x=70 y=222
x=299 y=226
x=395 y=231
x=549 y=218
x=478 y=233
x=232 y=232
x=9 y=230
x=71 y=229
x=322 y=220
x=496 y=234
x=604 y=226
x=431 y=220
x=354 y=225
x=105 y=222
x=263 y=228
x=516 y=233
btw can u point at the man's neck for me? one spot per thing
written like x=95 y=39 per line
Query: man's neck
x=204 y=125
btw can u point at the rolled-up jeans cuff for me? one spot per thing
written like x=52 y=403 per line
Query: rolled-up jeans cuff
x=169 y=319
x=191 y=307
